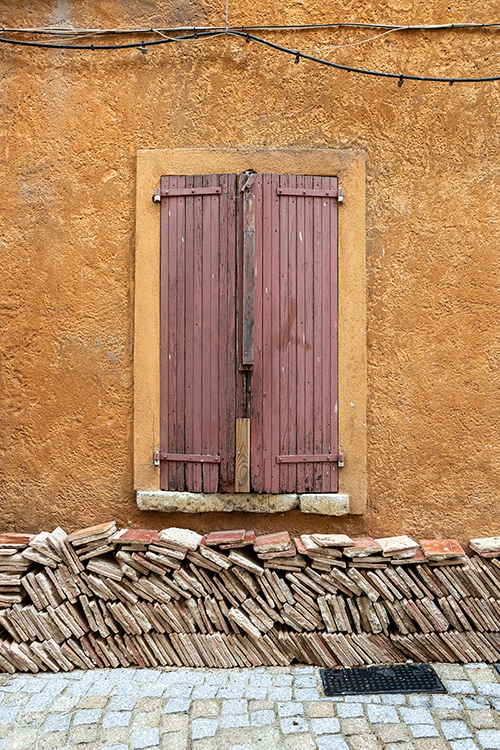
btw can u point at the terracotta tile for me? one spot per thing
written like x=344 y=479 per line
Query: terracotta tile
x=441 y=549
x=92 y=530
x=397 y=546
x=276 y=542
x=300 y=547
x=486 y=546
x=417 y=557
x=224 y=537
x=290 y=552
x=333 y=540
x=126 y=536
x=248 y=539
x=363 y=546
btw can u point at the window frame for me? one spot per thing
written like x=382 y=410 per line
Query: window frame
x=346 y=164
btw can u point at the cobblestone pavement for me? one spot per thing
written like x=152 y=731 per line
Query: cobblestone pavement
x=282 y=708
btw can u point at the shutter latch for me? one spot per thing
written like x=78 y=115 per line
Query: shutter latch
x=157 y=457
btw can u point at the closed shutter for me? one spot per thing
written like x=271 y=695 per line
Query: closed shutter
x=282 y=292
x=198 y=317
x=294 y=381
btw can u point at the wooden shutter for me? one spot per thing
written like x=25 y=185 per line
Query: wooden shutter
x=198 y=346
x=294 y=380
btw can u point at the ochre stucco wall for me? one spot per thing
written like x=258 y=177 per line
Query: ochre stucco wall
x=71 y=125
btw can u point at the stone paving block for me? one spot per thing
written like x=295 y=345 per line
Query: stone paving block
x=115 y=747
x=147 y=675
x=320 y=709
x=485 y=719
x=30 y=720
x=450 y=671
x=177 y=691
x=194 y=678
x=400 y=746
x=465 y=687
x=331 y=742
x=93 y=701
x=84 y=734
x=216 y=678
x=262 y=718
x=455 y=730
x=293 y=724
x=115 y=735
x=463 y=745
x=146 y=719
x=205 y=708
x=234 y=692
x=151 y=691
x=34 y=685
x=393 y=733
x=241 y=747
x=238 y=720
x=355 y=726
x=489 y=739
x=201 y=728
x=51 y=740
x=419 y=700
x=57 y=723
x=426 y=743
x=116 y=719
x=304 y=670
x=362 y=699
x=285 y=680
x=122 y=703
x=19 y=739
x=234 y=707
x=177 y=706
x=205 y=692
x=348 y=710
x=424 y=730
x=306 y=681
x=290 y=709
x=280 y=694
x=364 y=742
x=239 y=678
x=87 y=716
x=266 y=737
x=102 y=687
x=149 y=704
x=475 y=673
x=256 y=694
x=419 y=715
x=477 y=703
x=38 y=702
x=175 y=741
x=261 y=680
x=306 y=694
x=144 y=738
x=382 y=714
x=174 y=722
x=488 y=688
x=325 y=726
x=446 y=701
x=299 y=742
x=394 y=699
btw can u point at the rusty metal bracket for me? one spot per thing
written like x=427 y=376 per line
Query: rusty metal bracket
x=157 y=457
x=177 y=192
x=316 y=459
x=312 y=193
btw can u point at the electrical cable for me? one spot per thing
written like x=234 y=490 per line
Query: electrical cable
x=208 y=32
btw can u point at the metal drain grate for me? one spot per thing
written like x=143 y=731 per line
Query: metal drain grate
x=400 y=678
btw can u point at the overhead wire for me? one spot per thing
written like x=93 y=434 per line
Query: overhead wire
x=244 y=32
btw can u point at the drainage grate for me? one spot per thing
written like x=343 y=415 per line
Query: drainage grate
x=400 y=678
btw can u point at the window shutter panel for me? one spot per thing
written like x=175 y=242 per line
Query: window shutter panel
x=294 y=381
x=198 y=317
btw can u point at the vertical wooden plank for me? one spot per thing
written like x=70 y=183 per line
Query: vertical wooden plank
x=175 y=211
x=301 y=335
x=284 y=335
x=274 y=352
x=293 y=277
x=334 y=335
x=267 y=326
x=165 y=322
x=177 y=470
x=212 y=284
x=248 y=290
x=324 y=337
x=194 y=470
x=308 y=340
x=317 y=364
x=205 y=368
x=188 y=388
x=242 y=467
x=257 y=408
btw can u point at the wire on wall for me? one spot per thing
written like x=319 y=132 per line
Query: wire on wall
x=204 y=33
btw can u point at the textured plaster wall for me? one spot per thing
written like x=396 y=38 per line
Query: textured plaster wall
x=70 y=127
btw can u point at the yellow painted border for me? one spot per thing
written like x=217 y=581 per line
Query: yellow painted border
x=349 y=166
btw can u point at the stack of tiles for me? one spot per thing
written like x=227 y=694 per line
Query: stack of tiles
x=103 y=597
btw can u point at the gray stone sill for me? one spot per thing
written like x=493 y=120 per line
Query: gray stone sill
x=192 y=502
